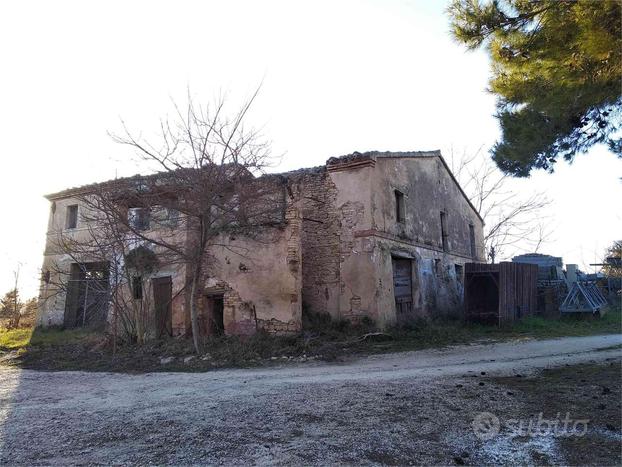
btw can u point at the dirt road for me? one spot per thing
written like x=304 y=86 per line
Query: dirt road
x=412 y=407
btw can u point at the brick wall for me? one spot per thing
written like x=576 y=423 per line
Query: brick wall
x=316 y=194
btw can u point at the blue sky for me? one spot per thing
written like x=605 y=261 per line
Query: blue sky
x=337 y=77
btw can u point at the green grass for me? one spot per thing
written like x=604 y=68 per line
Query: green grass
x=425 y=334
x=610 y=323
x=51 y=337
x=11 y=339
x=14 y=339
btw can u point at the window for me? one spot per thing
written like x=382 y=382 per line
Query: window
x=137 y=287
x=437 y=267
x=399 y=206
x=139 y=218
x=472 y=239
x=72 y=216
x=444 y=235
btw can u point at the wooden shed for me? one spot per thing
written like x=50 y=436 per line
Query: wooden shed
x=500 y=293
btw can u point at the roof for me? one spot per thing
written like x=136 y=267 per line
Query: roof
x=539 y=259
x=384 y=154
x=85 y=189
x=123 y=182
x=345 y=162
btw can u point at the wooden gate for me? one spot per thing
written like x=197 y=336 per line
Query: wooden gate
x=402 y=285
x=88 y=295
x=162 y=297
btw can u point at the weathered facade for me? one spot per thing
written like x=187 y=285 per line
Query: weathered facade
x=378 y=235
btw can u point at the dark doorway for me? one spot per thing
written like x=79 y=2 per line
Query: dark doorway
x=162 y=298
x=483 y=297
x=402 y=285
x=215 y=315
x=88 y=295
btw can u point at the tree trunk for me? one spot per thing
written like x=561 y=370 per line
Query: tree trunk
x=194 y=317
x=16 y=310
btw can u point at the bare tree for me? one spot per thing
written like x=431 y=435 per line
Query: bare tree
x=512 y=220
x=612 y=262
x=203 y=185
x=16 y=303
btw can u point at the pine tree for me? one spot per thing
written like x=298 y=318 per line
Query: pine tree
x=557 y=72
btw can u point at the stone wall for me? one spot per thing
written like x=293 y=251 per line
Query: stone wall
x=315 y=195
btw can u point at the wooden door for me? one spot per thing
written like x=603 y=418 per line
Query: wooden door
x=162 y=298
x=402 y=285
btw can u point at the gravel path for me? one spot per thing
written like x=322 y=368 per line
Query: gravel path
x=389 y=409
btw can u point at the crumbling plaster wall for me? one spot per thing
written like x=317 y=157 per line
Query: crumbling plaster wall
x=436 y=288
x=56 y=261
x=260 y=276
x=357 y=256
x=333 y=252
x=428 y=189
x=358 y=201
x=51 y=301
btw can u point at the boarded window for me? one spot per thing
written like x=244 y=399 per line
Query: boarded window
x=400 y=213
x=472 y=240
x=137 y=287
x=72 y=217
x=444 y=235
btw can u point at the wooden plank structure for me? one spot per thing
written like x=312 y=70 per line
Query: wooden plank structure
x=500 y=293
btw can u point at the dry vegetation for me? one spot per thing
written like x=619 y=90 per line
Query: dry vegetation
x=323 y=339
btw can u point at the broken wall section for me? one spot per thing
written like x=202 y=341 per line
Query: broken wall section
x=315 y=194
x=259 y=277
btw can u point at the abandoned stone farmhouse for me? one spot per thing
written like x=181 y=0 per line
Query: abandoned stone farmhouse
x=383 y=235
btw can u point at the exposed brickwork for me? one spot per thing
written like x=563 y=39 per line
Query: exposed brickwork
x=315 y=193
x=294 y=253
x=238 y=316
x=274 y=326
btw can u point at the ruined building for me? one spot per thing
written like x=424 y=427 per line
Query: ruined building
x=379 y=234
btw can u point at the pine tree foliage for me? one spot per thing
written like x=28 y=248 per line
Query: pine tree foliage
x=557 y=72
